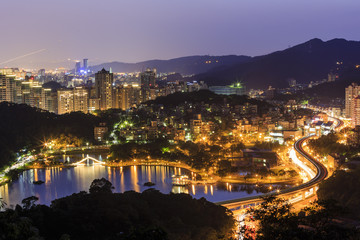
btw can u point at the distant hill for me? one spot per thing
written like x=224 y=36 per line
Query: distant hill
x=309 y=61
x=206 y=96
x=327 y=92
x=184 y=65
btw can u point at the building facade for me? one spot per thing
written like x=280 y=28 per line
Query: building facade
x=73 y=100
x=104 y=89
x=351 y=92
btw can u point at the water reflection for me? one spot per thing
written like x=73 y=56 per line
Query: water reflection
x=60 y=182
x=180 y=189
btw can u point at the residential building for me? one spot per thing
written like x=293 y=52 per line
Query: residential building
x=351 y=92
x=104 y=89
x=355 y=111
x=7 y=88
x=73 y=100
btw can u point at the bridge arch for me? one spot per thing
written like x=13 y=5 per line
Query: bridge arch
x=96 y=161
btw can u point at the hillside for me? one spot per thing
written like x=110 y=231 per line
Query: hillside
x=309 y=61
x=184 y=65
x=206 y=96
x=328 y=92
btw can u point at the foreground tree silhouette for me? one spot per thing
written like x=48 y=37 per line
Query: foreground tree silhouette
x=273 y=219
x=29 y=202
x=101 y=186
x=2 y=203
x=102 y=215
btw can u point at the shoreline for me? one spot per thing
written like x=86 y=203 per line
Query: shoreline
x=209 y=179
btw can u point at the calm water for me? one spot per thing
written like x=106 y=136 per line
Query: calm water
x=60 y=182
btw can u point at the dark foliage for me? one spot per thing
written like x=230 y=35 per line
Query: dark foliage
x=327 y=144
x=24 y=127
x=129 y=215
x=344 y=187
x=101 y=186
x=276 y=220
x=206 y=96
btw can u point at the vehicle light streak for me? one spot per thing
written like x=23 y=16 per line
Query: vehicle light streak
x=311 y=174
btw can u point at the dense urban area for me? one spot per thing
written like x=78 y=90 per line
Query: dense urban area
x=286 y=156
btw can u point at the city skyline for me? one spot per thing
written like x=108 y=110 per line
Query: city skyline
x=136 y=31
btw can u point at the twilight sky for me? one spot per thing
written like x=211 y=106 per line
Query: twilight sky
x=137 y=30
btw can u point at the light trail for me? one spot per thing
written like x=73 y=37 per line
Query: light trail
x=301 y=164
x=22 y=56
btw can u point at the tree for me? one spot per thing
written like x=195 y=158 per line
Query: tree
x=101 y=186
x=29 y=202
x=224 y=168
x=349 y=196
x=273 y=219
x=2 y=203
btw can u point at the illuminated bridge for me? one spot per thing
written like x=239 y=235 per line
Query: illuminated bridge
x=316 y=170
x=87 y=159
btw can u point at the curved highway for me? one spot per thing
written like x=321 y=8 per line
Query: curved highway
x=321 y=174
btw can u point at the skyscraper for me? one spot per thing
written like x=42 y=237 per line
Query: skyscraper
x=77 y=67
x=85 y=64
x=351 y=92
x=147 y=79
x=41 y=75
x=104 y=88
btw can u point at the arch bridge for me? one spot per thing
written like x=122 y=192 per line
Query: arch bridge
x=86 y=161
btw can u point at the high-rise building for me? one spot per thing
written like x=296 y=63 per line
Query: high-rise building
x=29 y=92
x=355 y=112
x=351 y=92
x=104 y=89
x=127 y=96
x=7 y=88
x=85 y=60
x=41 y=75
x=65 y=101
x=77 y=67
x=50 y=100
x=147 y=80
x=73 y=100
x=81 y=99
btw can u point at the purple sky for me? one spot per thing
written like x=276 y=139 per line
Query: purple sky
x=137 y=30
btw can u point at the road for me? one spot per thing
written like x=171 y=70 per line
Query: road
x=294 y=194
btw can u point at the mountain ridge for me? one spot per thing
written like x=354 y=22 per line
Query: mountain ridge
x=187 y=65
x=305 y=62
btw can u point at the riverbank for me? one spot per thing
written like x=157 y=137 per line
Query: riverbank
x=198 y=177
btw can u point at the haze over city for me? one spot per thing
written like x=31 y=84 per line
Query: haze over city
x=180 y=120
x=133 y=31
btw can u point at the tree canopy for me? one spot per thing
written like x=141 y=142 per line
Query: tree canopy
x=129 y=215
